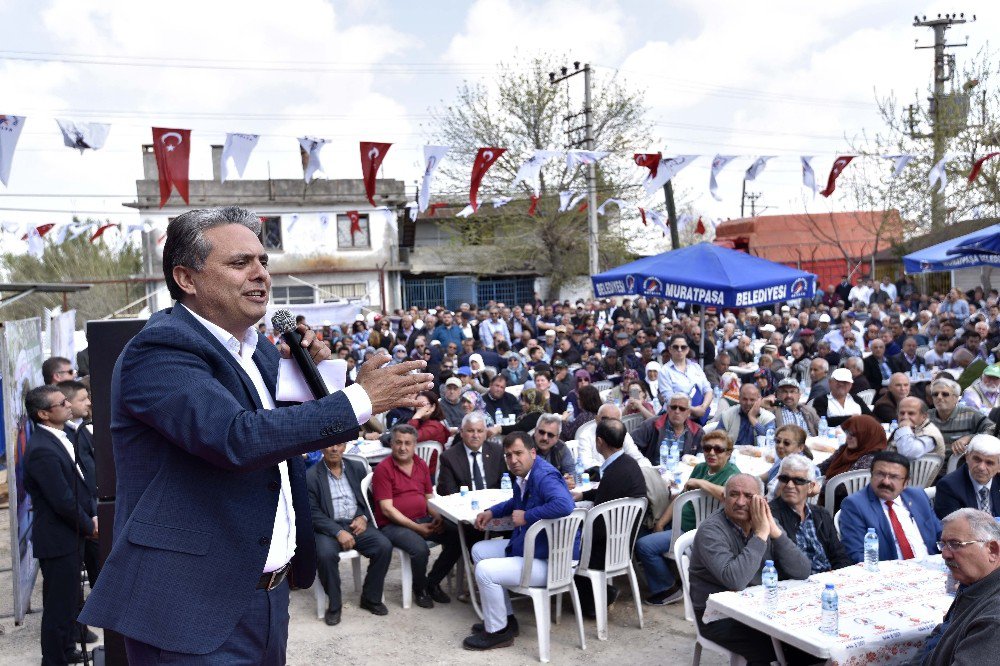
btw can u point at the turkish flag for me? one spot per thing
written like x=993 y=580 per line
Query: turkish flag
x=372 y=155
x=172 y=148
x=649 y=160
x=534 y=205
x=838 y=167
x=979 y=165
x=355 y=222
x=484 y=160
x=100 y=231
x=700 y=229
x=41 y=230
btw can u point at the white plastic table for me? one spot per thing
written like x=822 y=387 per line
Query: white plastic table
x=885 y=617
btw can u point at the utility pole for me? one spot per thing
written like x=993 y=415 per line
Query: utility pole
x=668 y=197
x=588 y=143
x=948 y=112
x=753 y=196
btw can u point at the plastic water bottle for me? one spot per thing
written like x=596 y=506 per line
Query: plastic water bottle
x=498 y=417
x=824 y=427
x=830 y=619
x=665 y=454
x=675 y=454
x=718 y=393
x=769 y=578
x=570 y=410
x=475 y=505
x=505 y=482
x=585 y=481
x=871 y=550
x=579 y=471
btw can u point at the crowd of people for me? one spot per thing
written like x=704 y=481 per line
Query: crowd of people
x=902 y=374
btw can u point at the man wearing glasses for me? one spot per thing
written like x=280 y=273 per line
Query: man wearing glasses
x=57 y=369
x=552 y=449
x=64 y=517
x=902 y=517
x=970 y=632
x=788 y=410
x=956 y=422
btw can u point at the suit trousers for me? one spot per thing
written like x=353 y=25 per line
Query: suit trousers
x=494 y=571
x=372 y=544
x=259 y=638
x=60 y=604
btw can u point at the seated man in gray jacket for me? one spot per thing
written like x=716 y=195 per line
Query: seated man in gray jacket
x=729 y=551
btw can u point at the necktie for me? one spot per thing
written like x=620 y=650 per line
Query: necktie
x=984 y=499
x=897 y=529
x=477 y=476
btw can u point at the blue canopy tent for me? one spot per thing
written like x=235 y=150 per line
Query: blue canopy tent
x=968 y=251
x=707 y=274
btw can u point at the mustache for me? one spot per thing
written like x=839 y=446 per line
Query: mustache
x=885 y=487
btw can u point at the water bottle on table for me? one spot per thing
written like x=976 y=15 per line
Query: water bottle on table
x=505 y=482
x=578 y=471
x=830 y=618
x=498 y=417
x=824 y=427
x=675 y=454
x=769 y=579
x=871 y=550
x=664 y=455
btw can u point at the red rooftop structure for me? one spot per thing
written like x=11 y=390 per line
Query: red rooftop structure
x=827 y=244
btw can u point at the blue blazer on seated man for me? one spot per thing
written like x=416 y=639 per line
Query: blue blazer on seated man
x=960 y=489
x=866 y=508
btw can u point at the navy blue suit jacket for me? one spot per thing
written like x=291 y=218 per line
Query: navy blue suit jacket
x=955 y=491
x=198 y=484
x=863 y=509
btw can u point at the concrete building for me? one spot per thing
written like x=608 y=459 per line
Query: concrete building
x=315 y=255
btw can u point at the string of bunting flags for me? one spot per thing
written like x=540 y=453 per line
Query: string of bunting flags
x=171 y=147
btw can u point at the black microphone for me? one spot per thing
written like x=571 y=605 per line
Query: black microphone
x=284 y=323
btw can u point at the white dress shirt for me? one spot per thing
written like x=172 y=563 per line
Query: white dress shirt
x=910 y=529
x=477 y=460
x=282 y=546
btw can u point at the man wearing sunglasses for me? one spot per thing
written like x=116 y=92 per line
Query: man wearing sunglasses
x=552 y=449
x=970 y=632
x=902 y=517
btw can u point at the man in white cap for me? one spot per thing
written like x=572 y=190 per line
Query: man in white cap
x=839 y=405
x=972 y=485
x=984 y=393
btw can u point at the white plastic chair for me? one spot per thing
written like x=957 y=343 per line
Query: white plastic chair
x=682 y=554
x=622 y=518
x=320 y=593
x=854 y=481
x=357 y=457
x=425 y=451
x=710 y=426
x=631 y=422
x=704 y=505
x=867 y=396
x=561 y=535
x=836 y=523
x=602 y=385
x=924 y=470
x=406 y=567
x=953 y=463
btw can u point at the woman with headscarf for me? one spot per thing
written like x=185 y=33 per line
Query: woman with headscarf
x=764 y=379
x=515 y=372
x=398 y=354
x=652 y=384
x=481 y=375
x=865 y=438
x=729 y=383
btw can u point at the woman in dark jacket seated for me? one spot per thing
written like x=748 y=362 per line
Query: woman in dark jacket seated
x=808 y=525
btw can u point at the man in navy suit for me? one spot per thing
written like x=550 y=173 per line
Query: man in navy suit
x=64 y=517
x=80 y=432
x=901 y=516
x=212 y=512
x=972 y=485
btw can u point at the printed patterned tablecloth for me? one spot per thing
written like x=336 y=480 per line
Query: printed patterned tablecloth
x=885 y=617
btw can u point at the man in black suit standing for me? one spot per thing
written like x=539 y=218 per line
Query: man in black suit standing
x=620 y=477
x=972 y=485
x=341 y=522
x=63 y=519
x=475 y=462
x=81 y=432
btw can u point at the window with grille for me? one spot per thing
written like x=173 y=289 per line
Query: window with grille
x=350 y=291
x=292 y=295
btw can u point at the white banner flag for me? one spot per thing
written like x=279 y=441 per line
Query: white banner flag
x=618 y=202
x=10 y=131
x=501 y=201
x=808 y=175
x=36 y=244
x=309 y=148
x=659 y=219
x=564 y=198
x=465 y=212
x=528 y=172
x=718 y=164
x=899 y=163
x=575 y=157
x=757 y=167
x=432 y=158
x=77 y=228
x=669 y=167
x=939 y=175
x=83 y=135
x=238 y=147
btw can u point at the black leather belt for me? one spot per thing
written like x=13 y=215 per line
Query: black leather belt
x=272 y=579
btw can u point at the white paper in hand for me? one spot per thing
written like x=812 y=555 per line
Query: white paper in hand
x=292 y=385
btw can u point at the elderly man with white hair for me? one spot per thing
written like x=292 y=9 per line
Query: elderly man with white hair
x=970 y=632
x=984 y=393
x=972 y=484
x=586 y=442
x=956 y=422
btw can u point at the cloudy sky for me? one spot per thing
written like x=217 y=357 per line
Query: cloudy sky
x=722 y=76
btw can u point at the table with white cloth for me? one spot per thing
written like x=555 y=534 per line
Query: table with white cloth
x=885 y=617
x=458 y=509
x=744 y=370
x=372 y=450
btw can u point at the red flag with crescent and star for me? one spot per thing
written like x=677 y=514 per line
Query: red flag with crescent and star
x=484 y=160
x=372 y=155
x=838 y=168
x=649 y=160
x=100 y=231
x=977 y=167
x=172 y=148
x=40 y=230
x=355 y=223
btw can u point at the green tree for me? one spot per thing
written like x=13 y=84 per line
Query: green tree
x=520 y=110
x=76 y=261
